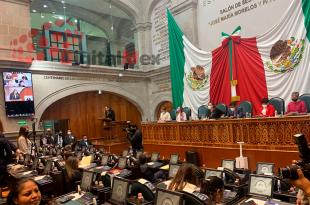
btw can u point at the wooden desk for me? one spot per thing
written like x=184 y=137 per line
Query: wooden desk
x=266 y=139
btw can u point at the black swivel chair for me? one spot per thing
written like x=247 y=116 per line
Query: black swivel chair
x=306 y=99
x=278 y=104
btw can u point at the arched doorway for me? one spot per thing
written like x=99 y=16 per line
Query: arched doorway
x=84 y=109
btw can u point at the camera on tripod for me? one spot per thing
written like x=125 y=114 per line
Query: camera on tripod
x=290 y=172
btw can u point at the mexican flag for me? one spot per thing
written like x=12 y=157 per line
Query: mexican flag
x=274 y=64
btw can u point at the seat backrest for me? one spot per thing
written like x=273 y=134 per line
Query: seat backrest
x=306 y=99
x=203 y=111
x=278 y=104
x=173 y=114
x=188 y=112
x=246 y=106
x=194 y=199
x=137 y=187
x=222 y=107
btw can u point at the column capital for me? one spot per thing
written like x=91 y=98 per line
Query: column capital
x=183 y=6
x=147 y=26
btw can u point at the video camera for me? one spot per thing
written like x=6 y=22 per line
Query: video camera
x=290 y=172
x=130 y=129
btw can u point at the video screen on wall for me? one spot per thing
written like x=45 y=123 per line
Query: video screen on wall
x=18 y=94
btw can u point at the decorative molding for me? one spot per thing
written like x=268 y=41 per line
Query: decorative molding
x=147 y=26
x=183 y=6
x=21 y=2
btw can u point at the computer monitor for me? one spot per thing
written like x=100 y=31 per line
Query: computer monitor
x=164 y=197
x=261 y=185
x=125 y=153
x=264 y=168
x=120 y=189
x=173 y=169
x=104 y=160
x=87 y=180
x=174 y=158
x=213 y=172
x=228 y=164
x=122 y=162
x=155 y=157
x=48 y=167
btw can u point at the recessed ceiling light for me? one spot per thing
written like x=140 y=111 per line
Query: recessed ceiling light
x=53 y=12
x=34 y=10
x=44 y=6
x=64 y=7
x=42 y=16
x=61 y=17
x=75 y=20
x=50 y=21
x=63 y=2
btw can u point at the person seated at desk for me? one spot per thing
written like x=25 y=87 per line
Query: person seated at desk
x=296 y=107
x=266 y=110
x=181 y=115
x=84 y=142
x=109 y=113
x=24 y=192
x=164 y=115
x=72 y=173
x=213 y=187
x=186 y=179
x=234 y=111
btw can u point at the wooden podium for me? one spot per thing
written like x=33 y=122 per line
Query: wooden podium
x=112 y=131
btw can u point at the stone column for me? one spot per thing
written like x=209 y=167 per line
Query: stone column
x=143 y=43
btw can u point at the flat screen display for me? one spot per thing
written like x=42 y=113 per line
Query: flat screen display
x=213 y=172
x=261 y=185
x=18 y=94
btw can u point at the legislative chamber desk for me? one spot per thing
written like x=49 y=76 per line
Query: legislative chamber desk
x=266 y=139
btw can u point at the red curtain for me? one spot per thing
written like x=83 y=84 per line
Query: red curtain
x=248 y=69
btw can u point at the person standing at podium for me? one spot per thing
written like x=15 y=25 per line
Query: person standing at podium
x=109 y=113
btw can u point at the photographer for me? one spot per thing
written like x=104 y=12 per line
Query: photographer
x=134 y=136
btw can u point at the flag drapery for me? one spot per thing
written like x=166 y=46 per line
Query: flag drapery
x=274 y=64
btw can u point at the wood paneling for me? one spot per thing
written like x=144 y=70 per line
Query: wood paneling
x=266 y=139
x=84 y=110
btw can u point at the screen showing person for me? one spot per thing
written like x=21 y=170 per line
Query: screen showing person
x=228 y=164
x=119 y=190
x=173 y=169
x=174 y=158
x=104 y=159
x=155 y=157
x=18 y=94
x=87 y=180
x=122 y=162
x=261 y=185
x=264 y=168
x=213 y=172
x=164 y=197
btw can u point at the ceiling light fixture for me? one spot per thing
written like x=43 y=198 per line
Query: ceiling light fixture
x=45 y=6
x=34 y=11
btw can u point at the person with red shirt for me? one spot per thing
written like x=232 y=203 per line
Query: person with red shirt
x=296 y=107
x=267 y=110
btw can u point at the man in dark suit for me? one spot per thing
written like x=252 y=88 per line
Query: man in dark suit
x=135 y=138
x=84 y=142
x=69 y=139
x=109 y=113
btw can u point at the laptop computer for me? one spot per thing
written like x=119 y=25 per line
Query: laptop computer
x=174 y=159
x=229 y=164
x=264 y=168
x=260 y=189
x=173 y=169
x=164 y=197
x=120 y=188
x=154 y=161
x=213 y=172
